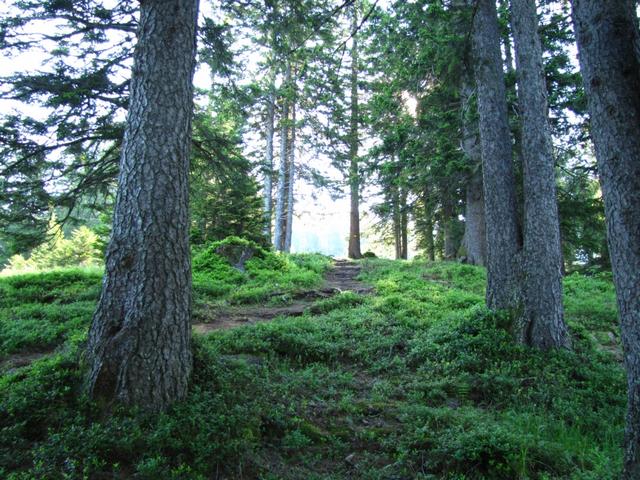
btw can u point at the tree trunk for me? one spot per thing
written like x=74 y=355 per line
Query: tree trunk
x=354 y=176
x=430 y=246
x=503 y=248
x=404 y=228
x=397 y=235
x=609 y=46
x=448 y=220
x=139 y=346
x=543 y=323
x=291 y=180
x=279 y=233
x=268 y=164
x=475 y=241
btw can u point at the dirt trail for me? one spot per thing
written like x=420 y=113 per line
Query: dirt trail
x=340 y=278
x=21 y=359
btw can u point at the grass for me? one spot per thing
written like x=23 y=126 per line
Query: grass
x=418 y=381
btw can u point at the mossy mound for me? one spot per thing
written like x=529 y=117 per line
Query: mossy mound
x=235 y=253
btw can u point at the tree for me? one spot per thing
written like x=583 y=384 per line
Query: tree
x=353 y=176
x=503 y=241
x=270 y=100
x=224 y=196
x=543 y=322
x=70 y=147
x=475 y=242
x=291 y=177
x=268 y=164
x=139 y=342
x=608 y=40
x=280 y=219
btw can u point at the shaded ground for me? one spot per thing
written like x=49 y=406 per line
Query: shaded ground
x=21 y=359
x=341 y=278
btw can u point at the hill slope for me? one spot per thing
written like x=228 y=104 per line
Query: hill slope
x=414 y=381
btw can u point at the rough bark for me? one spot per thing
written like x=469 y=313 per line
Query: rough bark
x=139 y=349
x=279 y=232
x=609 y=48
x=474 y=234
x=543 y=324
x=268 y=162
x=354 y=176
x=503 y=248
x=291 y=179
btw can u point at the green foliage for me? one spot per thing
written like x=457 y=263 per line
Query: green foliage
x=71 y=147
x=81 y=250
x=224 y=196
x=582 y=223
x=340 y=301
x=39 y=312
x=419 y=152
x=415 y=381
x=268 y=276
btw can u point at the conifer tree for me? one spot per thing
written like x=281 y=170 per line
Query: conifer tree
x=139 y=347
x=543 y=322
x=608 y=39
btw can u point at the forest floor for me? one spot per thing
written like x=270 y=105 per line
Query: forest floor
x=341 y=277
x=393 y=370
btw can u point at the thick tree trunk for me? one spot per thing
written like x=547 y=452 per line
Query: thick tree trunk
x=279 y=233
x=543 y=323
x=268 y=163
x=503 y=248
x=291 y=180
x=609 y=46
x=139 y=347
x=475 y=242
x=354 y=176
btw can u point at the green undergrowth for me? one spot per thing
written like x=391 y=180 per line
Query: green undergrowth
x=40 y=311
x=417 y=381
x=267 y=276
